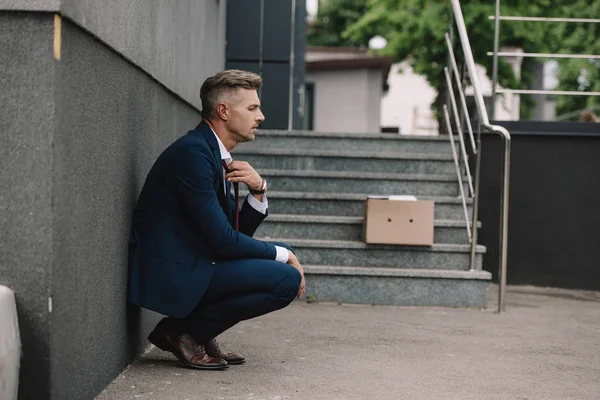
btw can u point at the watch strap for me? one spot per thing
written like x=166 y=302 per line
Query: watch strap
x=262 y=190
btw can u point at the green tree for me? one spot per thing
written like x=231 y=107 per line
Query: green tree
x=415 y=32
x=333 y=18
x=576 y=38
x=559 y=38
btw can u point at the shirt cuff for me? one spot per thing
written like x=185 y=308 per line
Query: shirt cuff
x=260 y=206
x=282 y=254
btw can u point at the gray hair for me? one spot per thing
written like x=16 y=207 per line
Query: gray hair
x=224 y=83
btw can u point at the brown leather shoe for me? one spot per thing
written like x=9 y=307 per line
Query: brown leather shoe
x=213 y=350
x=184 y=348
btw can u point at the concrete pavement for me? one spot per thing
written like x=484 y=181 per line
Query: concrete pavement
x=546 y=346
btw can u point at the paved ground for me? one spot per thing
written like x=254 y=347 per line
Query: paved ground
x=546 y=346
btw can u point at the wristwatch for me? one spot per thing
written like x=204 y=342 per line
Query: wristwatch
x=262 y=190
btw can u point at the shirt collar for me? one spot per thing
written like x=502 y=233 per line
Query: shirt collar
x=225 y=155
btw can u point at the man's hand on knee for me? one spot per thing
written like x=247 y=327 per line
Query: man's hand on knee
x=293 y=261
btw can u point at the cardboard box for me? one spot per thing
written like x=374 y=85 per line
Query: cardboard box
x=398 y=220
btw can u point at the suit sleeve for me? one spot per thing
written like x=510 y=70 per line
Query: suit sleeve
x=194 y=180
x=250 y=218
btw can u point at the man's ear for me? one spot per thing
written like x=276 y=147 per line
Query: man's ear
x=223 y=111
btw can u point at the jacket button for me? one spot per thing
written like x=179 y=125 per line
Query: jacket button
x=213 y=263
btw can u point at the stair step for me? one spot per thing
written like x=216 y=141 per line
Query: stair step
x=344 y=160
x=350 y=204
x=400 y=287
x=275 y=139
x=318 y=184
x=380 y=183
x=395 y=272
x=356 y=253
x=345 y=228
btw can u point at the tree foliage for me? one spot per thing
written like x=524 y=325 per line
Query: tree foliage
x=334 y=17
x=414 y=30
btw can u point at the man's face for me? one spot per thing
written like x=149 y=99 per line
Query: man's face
x=245 y=115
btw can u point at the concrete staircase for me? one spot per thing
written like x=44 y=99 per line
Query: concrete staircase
x=318 y=183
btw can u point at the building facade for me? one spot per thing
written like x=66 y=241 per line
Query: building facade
x=92 y=92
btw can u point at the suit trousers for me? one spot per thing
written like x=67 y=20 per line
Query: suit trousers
x=239 y=290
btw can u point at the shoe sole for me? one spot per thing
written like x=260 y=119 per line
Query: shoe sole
x=164 y=345
x=236 y=362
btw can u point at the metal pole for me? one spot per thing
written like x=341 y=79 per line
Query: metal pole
x=261 y=44
x=222 y=35
x=459 y=130
x=495 y=62
x=485 y=123
x=504 y=228
x=544 y=19
x=549 y=92
x=292 y=66
x=451 y=38
x=457 y=167
x=470 y=62
x=461 y=92
x=545 y=55
x=476 y=201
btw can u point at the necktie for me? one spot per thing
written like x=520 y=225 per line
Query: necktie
x=237 y=196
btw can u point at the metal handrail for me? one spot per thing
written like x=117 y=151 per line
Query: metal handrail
x=544 y=55
x=458 y=175
x=544 y=19
x=460 y=134
x=495 y=59
x=485 y=122
x=495 y=90
x=463 y=101
x=503 y=132
x=548 y=92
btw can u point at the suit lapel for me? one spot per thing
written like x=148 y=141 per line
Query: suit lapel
x=209 y=136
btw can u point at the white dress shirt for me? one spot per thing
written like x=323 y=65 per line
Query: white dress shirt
x=260 y=206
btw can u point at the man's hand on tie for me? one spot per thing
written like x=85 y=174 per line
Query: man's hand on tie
x=241 y=171
x=293 y=261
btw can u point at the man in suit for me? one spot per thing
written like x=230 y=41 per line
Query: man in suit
x=186 y=259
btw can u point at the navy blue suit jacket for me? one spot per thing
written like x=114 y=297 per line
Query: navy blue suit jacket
x=182 y=227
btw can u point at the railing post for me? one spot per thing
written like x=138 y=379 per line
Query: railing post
x=461 y=93
x=475 y=217
x=485 y=123
x=495 y=62
x=457 y=167
x=459 y=130
x=504 y=227
x=466 y=46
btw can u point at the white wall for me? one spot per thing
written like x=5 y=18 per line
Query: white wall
x=347 y=100
x=407 y=104
x=312 y=8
